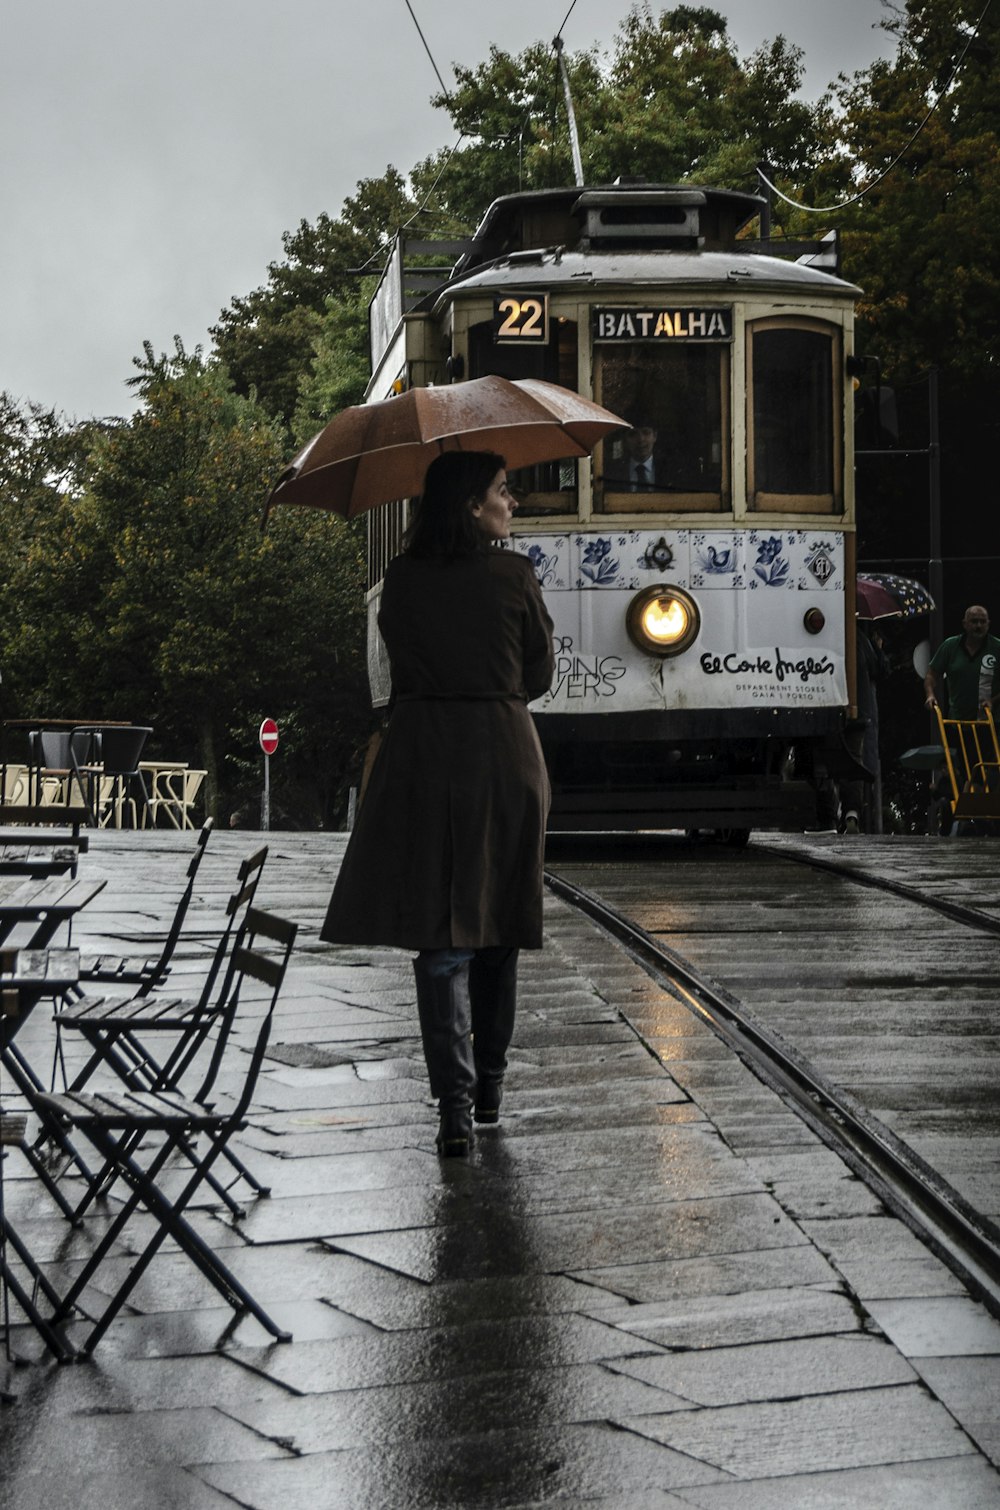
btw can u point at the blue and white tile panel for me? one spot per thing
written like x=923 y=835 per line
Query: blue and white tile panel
x=753 y=588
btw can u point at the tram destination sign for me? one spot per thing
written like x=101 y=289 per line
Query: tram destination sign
x=713 y=322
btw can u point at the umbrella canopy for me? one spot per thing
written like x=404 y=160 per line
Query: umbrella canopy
x=374 y=453
x=882 y=595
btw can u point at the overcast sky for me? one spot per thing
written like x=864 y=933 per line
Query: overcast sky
x=153 y=154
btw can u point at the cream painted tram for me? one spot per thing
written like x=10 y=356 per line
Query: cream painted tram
x=699 y=569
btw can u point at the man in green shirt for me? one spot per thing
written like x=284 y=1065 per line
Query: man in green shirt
x=969 y=666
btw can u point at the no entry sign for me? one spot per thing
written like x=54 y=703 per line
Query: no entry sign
x=268 y=736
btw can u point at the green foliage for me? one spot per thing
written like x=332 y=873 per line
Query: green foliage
x=154 y=596
x=266 y=339
x=674 y=102
x=339 y=370
x=924 y=244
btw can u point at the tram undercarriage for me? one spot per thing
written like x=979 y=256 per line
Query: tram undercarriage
x=726 y=770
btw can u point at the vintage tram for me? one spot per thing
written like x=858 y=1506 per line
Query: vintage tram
x=699 y=569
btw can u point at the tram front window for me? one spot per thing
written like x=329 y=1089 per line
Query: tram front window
x=676 y=454
x=793 y=456
x=551 y=487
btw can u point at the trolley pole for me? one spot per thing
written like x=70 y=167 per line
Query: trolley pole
x=574 y=140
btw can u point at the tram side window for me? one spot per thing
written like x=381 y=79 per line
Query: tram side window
x=794 y=461
x=550 y=488
x=677 y=455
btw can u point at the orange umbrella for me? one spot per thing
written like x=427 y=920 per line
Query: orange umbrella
x=375 y=453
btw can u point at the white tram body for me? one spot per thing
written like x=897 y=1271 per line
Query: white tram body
x=735 y=363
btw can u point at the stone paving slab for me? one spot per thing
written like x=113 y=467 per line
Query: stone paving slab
x=116 y=1488
x=725 y=1321
x=814 y=1434
x=650 y=1287
x=731 y=1375
x=568 y=1462
x=521 y=1398
x=925 y=1484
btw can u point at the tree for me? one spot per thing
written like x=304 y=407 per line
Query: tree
x=154 y=595
x=924 y=242
x=338 y=372
x=266 y=339
x=44 y=580
x=674 y=102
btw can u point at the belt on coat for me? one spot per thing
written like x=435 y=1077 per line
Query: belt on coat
x=459 y=697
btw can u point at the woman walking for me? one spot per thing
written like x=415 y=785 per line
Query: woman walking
x=446 y=856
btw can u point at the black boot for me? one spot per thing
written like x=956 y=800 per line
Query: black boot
x=443 y=1007
x=493 y=993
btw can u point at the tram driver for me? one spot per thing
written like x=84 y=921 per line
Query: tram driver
x=641 y=469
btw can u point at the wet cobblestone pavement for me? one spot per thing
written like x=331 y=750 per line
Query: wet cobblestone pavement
x=651 y=1286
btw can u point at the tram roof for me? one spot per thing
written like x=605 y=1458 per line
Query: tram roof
x=634 y=269
x=628 y=234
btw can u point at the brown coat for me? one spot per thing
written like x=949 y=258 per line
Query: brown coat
x=447 y=849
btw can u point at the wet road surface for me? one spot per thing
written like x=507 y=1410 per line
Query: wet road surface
x=896 y=1004
x=650 y=1286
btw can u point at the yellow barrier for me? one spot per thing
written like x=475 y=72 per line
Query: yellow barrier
x=972 y=756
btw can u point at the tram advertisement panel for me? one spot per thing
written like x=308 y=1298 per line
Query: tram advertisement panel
x=751 y=590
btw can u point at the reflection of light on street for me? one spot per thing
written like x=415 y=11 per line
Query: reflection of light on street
x=665 y=620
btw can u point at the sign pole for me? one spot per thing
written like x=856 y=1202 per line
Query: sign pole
x=268 y=738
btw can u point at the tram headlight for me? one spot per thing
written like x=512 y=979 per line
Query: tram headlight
x=663 y=620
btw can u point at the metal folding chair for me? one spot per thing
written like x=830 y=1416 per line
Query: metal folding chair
x=26 y=976
x=21 y=1276
x=145 y=974
x=117 y=1123
x=117 y=1031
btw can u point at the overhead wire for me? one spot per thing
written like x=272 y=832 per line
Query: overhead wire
x=444 y=88
x=565 y=19
x=462 y=134
x=831 y=209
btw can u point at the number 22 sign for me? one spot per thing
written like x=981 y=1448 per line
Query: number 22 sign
x=521 y=319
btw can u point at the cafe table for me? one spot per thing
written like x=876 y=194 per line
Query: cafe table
x=32 y=909
x=40 y=852
x=31 y=914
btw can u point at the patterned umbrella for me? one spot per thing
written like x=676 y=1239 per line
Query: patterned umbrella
x=882 y=595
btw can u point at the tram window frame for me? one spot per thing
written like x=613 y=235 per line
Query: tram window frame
x=549 y=490
x=609 y=500
x=830 y=501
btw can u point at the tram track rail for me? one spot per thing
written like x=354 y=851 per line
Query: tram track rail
x=964 y=1239
x=958 y=912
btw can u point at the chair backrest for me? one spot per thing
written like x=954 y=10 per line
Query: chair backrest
x=56 y=749
x=241 y=899
x=269 y=968
x=191 y=786
x=217 y=1009
x=120 y=749
x=13 y=782
x=170 y=942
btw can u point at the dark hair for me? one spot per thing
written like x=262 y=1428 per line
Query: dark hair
x=444 y=524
